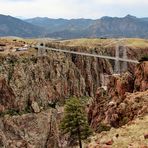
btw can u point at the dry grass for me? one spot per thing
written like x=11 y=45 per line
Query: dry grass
x=132 y=42
x=135 y=42
x=90 y=44
x=13 y=43
x=130 y=136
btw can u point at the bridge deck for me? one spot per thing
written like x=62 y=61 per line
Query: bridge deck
x=89 y=54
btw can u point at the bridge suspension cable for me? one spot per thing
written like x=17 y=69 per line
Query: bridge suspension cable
x=88 y=54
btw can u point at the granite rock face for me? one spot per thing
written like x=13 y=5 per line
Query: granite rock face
x=50 y=78
x=29 y=85
x=30 y=130
x=7 y=96
x=122 y=102
x=141 y=74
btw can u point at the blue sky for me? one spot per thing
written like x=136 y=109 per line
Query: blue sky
x=74 y=8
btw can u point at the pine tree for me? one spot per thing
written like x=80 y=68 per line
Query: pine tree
x=75 y=121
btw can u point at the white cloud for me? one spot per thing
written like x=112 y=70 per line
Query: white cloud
x=73 y=8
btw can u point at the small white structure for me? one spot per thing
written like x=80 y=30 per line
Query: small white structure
x=1 y=49
x=23 y=48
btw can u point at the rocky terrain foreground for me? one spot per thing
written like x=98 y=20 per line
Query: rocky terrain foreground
x=33 y=89
x=132 y=135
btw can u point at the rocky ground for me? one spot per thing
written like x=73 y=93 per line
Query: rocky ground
x=132 y=135
x=31 y=86
x=125 y=107
x=126 y=98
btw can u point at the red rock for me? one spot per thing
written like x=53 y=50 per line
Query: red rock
x=141 y=73
x=2 y=108
x=144 y=146
x=97 y=146
x=120 y=99
x=110 y=142
x=106 y=146
x=146 y=136
x=7 y=96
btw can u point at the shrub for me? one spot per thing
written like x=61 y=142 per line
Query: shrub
x=102 y=127
x=144 y=58
x=11 y=112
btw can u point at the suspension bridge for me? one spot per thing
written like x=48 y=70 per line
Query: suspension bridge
x=120 y=62
x=119 y=49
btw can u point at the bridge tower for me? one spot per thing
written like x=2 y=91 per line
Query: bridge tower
x=124 y=64
x=117 y=62
x=42 y=51
x=120 y=66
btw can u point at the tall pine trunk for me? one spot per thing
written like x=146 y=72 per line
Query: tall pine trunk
x=79 y=137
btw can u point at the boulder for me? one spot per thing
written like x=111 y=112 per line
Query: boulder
x=35 y=107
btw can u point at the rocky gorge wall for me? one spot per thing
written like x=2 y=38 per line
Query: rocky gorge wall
x=125 y=99
x=49 y=78
x=90 y=46
x=29 y=85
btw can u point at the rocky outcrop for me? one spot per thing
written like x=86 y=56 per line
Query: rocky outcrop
x=117 y=113
x=30 y=84
x=121 y=103
x=130 y=135
x=119 y=85
x=51 y=78
x=31 y=130
x=141 y=77
x=106 y=47
x=25 y=130
x=7 y=96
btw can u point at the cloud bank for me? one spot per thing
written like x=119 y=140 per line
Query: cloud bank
x=74 y=8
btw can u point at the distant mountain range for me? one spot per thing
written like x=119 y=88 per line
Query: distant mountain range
x=10 y=26
x=128 y=26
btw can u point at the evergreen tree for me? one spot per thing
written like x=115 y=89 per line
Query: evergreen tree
x=75 y=121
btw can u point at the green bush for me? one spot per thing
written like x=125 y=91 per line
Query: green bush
x=52 y=104
x=102 y=127
x=34 y=59
x=144 y=58
x=124 y=120
x=15 y=112
x=11 y=112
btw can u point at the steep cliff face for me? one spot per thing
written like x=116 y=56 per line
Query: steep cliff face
x=51 y=78
x=141 y=74
x=25 y=130
x=121 y=103
x=30 y=130
x=118 y=85
x=7 y=96
x=135 y=49
x=30 y=84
